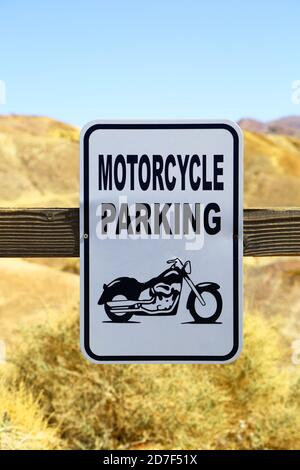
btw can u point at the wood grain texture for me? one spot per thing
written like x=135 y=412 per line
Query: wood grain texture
x=55 y=232
x=272 y=232
x=39 y=233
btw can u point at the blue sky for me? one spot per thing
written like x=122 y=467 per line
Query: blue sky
x=82 y=60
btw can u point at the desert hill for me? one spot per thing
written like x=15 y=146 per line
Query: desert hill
x=271 y=170
x=39 y=163
x=289 y=125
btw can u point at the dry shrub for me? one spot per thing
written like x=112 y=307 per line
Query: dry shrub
x=22 y=424
x=249 y=404
x=72 y=265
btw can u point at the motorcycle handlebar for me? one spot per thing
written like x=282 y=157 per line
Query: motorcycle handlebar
x=174 y=261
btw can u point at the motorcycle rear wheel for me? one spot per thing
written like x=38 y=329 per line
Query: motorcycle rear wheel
x=121 y=318
x=194 y=306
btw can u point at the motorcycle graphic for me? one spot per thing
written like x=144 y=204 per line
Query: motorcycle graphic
x=125 y=296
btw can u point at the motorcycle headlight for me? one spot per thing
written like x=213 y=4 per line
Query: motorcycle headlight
x=187 y=267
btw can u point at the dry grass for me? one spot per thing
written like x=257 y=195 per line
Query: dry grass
x=249 y=404
x=22 y=424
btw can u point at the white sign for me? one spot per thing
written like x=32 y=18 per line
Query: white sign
x=161 y=241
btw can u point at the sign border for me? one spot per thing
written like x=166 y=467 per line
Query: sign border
x=86 y=134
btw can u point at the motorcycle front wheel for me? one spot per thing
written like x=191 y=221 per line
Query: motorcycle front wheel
x=210 y=312
x=117 y=317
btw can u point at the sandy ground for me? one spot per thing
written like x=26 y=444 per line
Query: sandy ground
x=30 y=291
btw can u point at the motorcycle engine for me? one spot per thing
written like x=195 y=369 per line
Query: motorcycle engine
x=165 y=295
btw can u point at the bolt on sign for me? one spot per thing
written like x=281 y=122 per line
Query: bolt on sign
x=161 y=241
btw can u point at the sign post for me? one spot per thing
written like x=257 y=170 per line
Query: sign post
x=161 y=241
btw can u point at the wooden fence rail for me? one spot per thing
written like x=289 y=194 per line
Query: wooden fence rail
x=55 y=232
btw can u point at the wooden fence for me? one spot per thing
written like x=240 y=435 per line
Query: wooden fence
x=55 y=232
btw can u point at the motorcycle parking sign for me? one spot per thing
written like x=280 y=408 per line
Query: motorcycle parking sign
x=161 y=241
